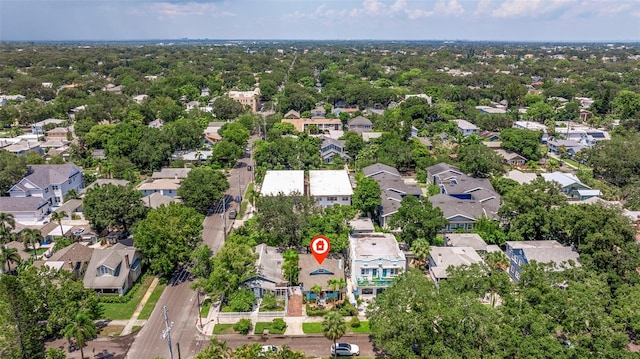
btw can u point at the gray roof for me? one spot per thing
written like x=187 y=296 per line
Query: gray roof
x=104 y=181
x=445 y=257
x=466 y=125
x=21 y=204
x=179 y=173
x=70 y=206
x=269 y=264
x=441 y=168
x=157 y=199
x=45 y=175
x=557 y=256
x=379 y=167
x=465 y=240
x=326 y=141
x=359 y=121
x=452 y=207
x=390 y=203
x=76 y=252
x=362 y=225
x=109 y=257
x=398 y=185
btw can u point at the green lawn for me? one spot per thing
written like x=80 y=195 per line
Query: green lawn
x=204 y=310
x=224 y=329
x=316 y=328
x=145 y=313
x=261 y=326
x=116 y=311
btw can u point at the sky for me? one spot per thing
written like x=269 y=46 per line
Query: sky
x=478 y=20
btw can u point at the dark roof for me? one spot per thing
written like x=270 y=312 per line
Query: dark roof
x=21 y=204
x=379 y=167
x=359 y=121
x=45 y=175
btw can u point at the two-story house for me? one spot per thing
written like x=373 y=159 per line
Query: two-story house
x=466 y=128
x=524 y=252
x=114 y=270
x=442 y=258
x=360 y=124
x=571 y=185
x=282 y=181
x=329 y=148
x=330 y=187
x=375 y=260
x=49 y=182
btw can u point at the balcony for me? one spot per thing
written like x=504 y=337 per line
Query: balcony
x=375 y=282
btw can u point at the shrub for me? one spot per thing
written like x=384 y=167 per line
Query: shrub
x=316 y=313
x=243 y=326
x=269 y=301
x=278 y=326
x=355 y=322
x=242 y=300
x=347 y=309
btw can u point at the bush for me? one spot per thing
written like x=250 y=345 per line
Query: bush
x=316 y=313
x=242 y=300
x=347 y=309
x=243 y=326
x=269 y=301
x=355 y=322
x=278 y=326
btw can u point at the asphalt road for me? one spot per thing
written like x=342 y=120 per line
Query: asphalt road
x=311 y=345
x=178 y=297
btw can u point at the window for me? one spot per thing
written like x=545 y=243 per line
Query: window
x=57 y=199
x=364 y=271
x=55 y=188
x=103 y=270
x=345 y=199
x=393 y=272
x=374 y=272
x=332 y=198
x=46 y=190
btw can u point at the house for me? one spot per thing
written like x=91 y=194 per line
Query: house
x=489 y=136
x=114 y=270
x=359 y=124
x=285 y=182
x=39 y=128
x=292 y=114
x=361 y=225
x=22 y=147
x=165 y=186
x=511 y=158
x=193 y=156
x=521 y=177
x=117 y=89
x=139 y=99
x=25 y=210
x=59 y=134
x=472 y=240
x=205 y=92
x=491 y=110
x=426 y=142
x=157 y=199
x=569 y=183
x=250 y=99
x=584 y=194
x=375 y=260
x=378 y=169
x=313 y=274
x=318 y=112
x=23 y=252
x=323 y=124
x=49 y=182
x=329 y=148
x=70 y=208
x=368 y=136
x=269 y=276
x=443 y=258
x=191 y=105
x=175 y=173
x=75 y=258
x=157 y=123
x=421 y=95
x=330 y=187
x=530 y=125
x=466 y=128
x=524 y=252
x=558 y=147
x=104 y=181
x=211 y=133
x=462 y=199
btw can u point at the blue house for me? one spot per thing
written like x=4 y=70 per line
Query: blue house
x=524 y=252
x=312 y=274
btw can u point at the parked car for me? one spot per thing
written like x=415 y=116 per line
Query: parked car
x=345 y=349
x=269 y=348
x=232 y=214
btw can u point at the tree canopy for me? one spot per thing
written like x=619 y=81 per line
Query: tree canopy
x=202 y=187
x=112 y=206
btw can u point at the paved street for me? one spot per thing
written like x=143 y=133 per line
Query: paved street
x=179 y=298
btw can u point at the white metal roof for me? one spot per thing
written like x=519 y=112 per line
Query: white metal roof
x=286 y=182
x=330 y=183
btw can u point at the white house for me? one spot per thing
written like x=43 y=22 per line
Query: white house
x=330 y=187
x=165 y=186
x=375 y=261
x=49 y=182
x=38 y=128
x=25 y=210
x=285 y=182
x=466 y=128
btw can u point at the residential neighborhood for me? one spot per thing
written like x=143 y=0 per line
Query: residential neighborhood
x=460 y=189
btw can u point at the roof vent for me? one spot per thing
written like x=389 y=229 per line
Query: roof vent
x=373 y=244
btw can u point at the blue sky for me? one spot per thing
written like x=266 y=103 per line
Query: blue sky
x=507 y=20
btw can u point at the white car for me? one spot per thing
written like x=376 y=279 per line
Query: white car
x=269 y=348
x=345 y=349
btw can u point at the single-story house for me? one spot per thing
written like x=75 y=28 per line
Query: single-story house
x=269 y=276
x=114 y=270
x=311 y=273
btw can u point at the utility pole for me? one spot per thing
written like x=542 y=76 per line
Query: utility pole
x=166 y=332
x=224 y=216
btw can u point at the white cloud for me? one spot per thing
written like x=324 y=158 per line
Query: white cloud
x=173 y=9
x=418 y=14
x=399 y=6
x=529 y=8
x=451 y=8
x=484 y=7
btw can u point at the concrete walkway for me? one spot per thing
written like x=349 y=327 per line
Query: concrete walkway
x=134 y=318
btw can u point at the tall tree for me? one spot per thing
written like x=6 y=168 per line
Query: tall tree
x=12 y=169
x=80 y=330
x=7 y=223
x=168 y=236
x=202 y=187
x=58 y=217
x=333 y=327
x=480 y=161
x=232 y=266
x=283 y=218
x=113 y=206
x=7 y=256
x=21 y=335
x=417 y=218
x=366 y=196
x=31 y=237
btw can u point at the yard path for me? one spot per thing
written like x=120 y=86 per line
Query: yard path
x=134 y=318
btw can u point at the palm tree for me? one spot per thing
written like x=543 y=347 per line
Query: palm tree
x=316 y=289
x=57 y=217
x=497 y=261
x=337 y=284
x=7 y=223
x=8 y=256
x=30 y=237
x=81 y=329
x=421 y=250
x=334 y=327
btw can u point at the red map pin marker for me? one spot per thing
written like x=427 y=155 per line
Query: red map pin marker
x=320 y=247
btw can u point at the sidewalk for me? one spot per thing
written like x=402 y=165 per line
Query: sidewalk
x=134 y=318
